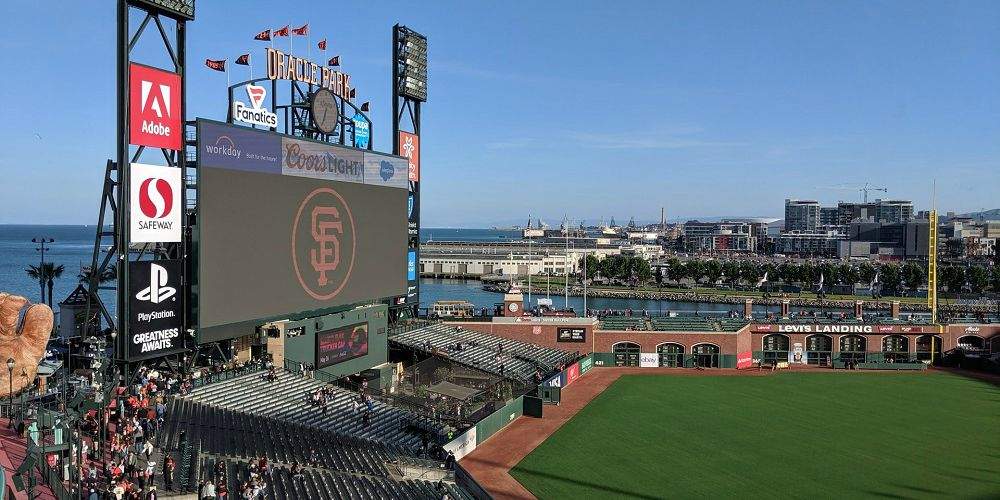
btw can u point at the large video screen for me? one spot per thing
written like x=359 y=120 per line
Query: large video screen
x=287 y=226
x=341 y=344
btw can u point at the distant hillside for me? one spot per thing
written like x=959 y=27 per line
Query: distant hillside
x=986 y=215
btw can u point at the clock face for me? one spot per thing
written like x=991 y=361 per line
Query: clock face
x=324 y=111
x=512 y=306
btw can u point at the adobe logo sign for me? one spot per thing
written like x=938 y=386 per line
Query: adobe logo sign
x=155 y=209
x=154 y=106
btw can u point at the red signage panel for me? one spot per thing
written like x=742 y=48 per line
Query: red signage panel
x=154 y=108
x=409 y=148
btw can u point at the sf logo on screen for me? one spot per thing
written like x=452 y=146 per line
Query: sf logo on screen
x=323 y=243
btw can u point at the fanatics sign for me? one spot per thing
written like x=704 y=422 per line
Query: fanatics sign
x=155 y=207
x=154 y=108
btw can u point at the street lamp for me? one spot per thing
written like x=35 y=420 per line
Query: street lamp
x=24 y=375
x=10 y=393
x=42 y=241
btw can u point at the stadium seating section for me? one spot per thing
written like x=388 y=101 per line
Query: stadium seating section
x=673 y=323
x=247 y=417
x=479 y=350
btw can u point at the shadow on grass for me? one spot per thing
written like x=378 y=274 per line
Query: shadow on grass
x=990 y=378
x=588 y=484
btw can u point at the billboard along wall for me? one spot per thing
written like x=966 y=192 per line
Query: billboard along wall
x=276 y=240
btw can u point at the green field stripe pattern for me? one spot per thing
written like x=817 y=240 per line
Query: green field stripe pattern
x=789 y=435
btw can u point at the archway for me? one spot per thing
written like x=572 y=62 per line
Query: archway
x=775 y=347
x=896 y=348
x=626 y=353
x=706 y=355
x=972 y=343
x=819 y=349
x=671 y=354
x=853 y=348
x=924 y=347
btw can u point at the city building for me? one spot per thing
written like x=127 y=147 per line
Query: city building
x=802 y=215
x=819 y=243
x=884 y=211
x=725 y=236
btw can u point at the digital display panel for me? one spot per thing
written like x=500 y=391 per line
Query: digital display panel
x=291 y=226
x=341 y=344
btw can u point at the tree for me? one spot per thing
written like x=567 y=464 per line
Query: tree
x=913 y=275
x=979 y=278
x=891 y=277
x=695 y=269
x=593 y=265
x=713 y=270
x=995 y=277
x=750 y=272
x=35 y=272
x=46 y=274
x=866 y=272
x=107 y=276
x=641 y=270
x=675 y=270
x=788 y=272
x=829 y=273
x=731 y=271
x=848 y=274
x=954 y=278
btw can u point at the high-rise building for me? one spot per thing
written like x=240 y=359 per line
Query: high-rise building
x=829 y=216
x=883 y=211
x=802 y=215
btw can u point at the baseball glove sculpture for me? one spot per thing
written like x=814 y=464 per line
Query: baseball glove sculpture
x=24 y=332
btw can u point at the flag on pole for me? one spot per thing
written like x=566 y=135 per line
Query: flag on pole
x=301 y=30
x=819 y=286
x=281 y=31
x=219 y=65
x=263 y=35
x=243 y=60
x=334 y=61
x=322 y=44
x=763 y=280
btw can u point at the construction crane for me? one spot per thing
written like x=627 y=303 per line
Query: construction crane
x=868 y=187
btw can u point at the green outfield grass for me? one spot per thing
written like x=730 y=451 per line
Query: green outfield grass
x=789 y=435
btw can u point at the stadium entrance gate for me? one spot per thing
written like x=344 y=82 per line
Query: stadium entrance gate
x=706 y=355
x=852 y=348
x=626 y=353
x=671 y=355
x=775 y=348
x=819 y=349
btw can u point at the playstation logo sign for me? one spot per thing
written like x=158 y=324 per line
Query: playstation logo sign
x=157 y=291
x=155 y=308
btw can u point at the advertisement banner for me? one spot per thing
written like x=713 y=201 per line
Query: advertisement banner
x=155 y=204
x=744 y=360
x=155 y=309
x=409 y=148
x=341 y=344
x=586 y=364
x=362 y=131
x=556 y=381
x=385 y=170
x=462 y=445
x=238 y=148
x=798 y=354
x=649 y=359
x=571 y=335
x=256 y=114
x=154 y=107
x=321 y=161
x=572 y=373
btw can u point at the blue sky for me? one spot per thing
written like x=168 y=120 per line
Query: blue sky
x=589 y=109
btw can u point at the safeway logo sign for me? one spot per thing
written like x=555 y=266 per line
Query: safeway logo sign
x=155 y=211
x=158 y=289
x=154 y=107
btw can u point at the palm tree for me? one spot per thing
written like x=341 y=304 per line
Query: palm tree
x=107 y=276
x=35 y=272
x=46 y=274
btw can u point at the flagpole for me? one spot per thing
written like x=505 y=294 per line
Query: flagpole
x=250 y=64
x=226 y=65
x=290 y=51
